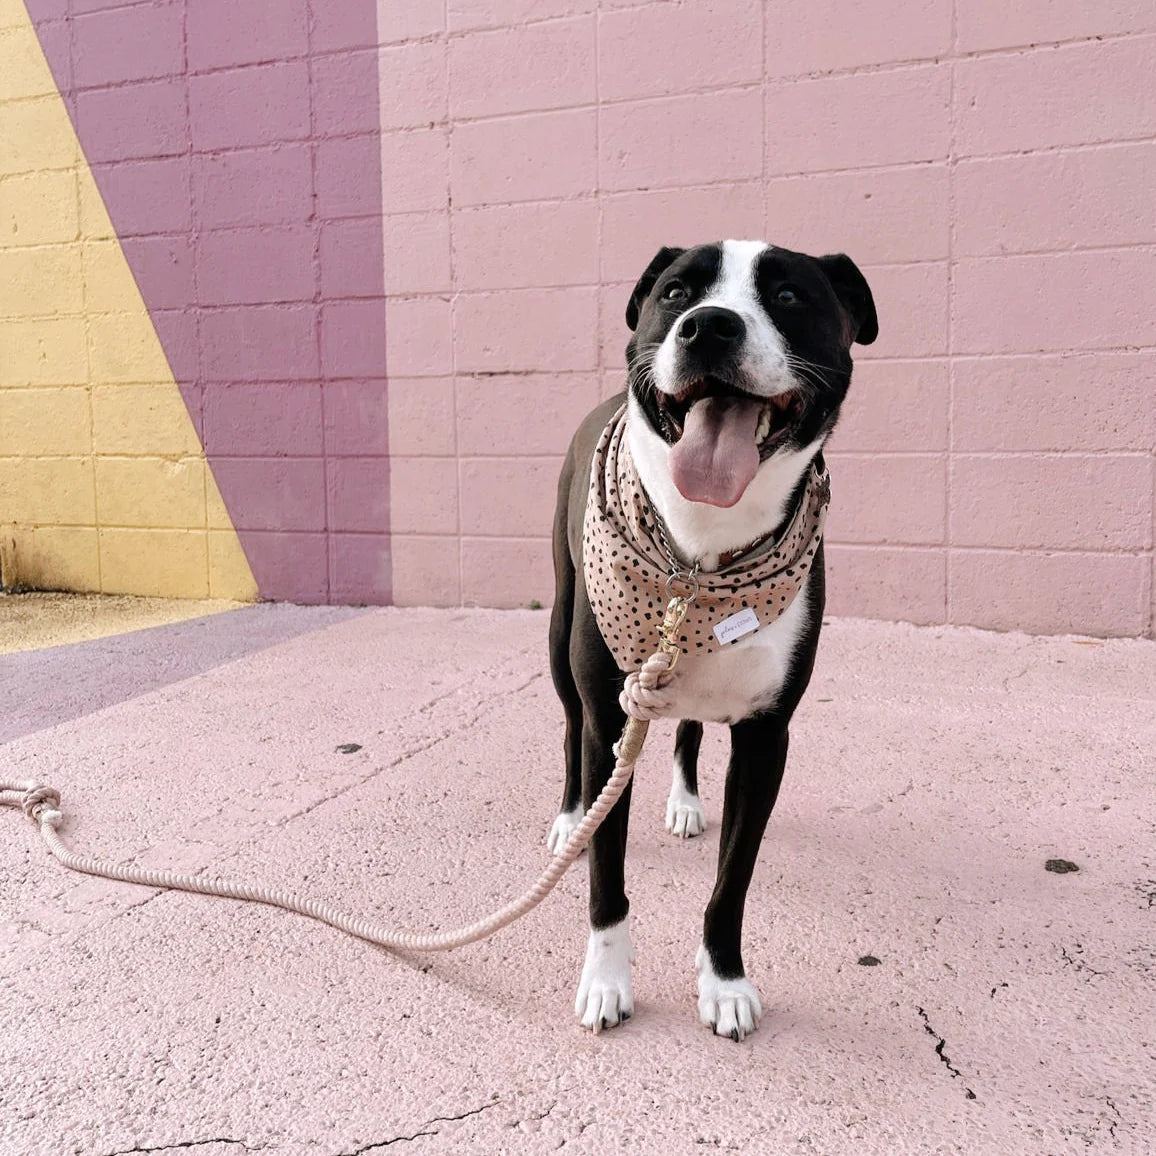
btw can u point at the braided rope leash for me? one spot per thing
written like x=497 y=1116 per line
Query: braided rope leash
x=41 y=806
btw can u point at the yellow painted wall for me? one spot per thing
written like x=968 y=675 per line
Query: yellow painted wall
x=104 y=485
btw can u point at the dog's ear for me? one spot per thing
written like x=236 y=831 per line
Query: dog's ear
x=662 y=260
x=854 y=295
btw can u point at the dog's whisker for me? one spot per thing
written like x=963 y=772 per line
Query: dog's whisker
x=807 y=373
x=802 y=364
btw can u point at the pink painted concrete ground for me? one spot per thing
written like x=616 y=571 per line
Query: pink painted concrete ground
x=933 y=771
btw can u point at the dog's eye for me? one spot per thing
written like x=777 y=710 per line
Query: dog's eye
x=787 y=296
x=674 y=292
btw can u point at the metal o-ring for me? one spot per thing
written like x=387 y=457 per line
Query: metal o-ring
x=688 y=583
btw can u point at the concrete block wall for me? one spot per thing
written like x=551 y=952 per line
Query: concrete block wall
x=990 y=170
x=103 y=480
x=302 y=298
x=224 y=411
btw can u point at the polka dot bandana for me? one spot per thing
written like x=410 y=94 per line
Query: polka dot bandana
x=626 y=567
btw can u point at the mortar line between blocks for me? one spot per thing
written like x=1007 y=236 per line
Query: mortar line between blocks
x=952 y=158
x=450 y=122
x=315 y=229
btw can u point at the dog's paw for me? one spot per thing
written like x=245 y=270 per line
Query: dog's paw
x=562 y=829
x=729 y=1007
x=685 y=816
x=605 y=996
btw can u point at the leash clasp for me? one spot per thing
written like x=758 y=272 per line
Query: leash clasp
x=681 y=589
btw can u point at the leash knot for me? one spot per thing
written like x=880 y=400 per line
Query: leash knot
x=642 y=694
x=42 y=805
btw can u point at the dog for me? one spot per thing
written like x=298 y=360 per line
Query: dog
x=738 y=363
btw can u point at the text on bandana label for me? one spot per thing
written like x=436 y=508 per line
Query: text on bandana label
x=733 y=628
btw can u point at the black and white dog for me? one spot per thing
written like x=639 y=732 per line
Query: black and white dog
x=768 y=332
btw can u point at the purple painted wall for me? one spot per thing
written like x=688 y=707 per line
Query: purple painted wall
x=236 y=146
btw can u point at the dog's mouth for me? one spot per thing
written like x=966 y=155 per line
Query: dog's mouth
x=776 y=414
x=720 y=434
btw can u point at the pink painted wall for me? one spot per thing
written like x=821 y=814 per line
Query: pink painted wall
x=990 y=168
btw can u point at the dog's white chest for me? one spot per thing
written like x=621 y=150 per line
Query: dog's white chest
x=743 y=677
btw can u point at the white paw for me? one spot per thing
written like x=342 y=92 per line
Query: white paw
x=685 y=816
x=605 y=998
x=730 y=1007
x=562 y=829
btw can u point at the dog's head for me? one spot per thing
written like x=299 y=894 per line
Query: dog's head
x=741 y=350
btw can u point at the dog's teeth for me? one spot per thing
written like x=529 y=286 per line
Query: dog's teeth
x=764 y=424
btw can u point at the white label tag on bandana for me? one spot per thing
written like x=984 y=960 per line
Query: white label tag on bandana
x=733 y=628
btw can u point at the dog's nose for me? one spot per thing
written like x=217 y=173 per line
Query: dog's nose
x=711 y=328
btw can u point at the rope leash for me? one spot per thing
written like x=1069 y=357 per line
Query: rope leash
x=41 y=806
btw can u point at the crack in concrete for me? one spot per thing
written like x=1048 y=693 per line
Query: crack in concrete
x=464 y=1115
x=428 y=706
x=941 y=1043
x=387 y=1143
x=1113 y=1124
x=186 y=1144
x=421 y=1130
x=543 y=1115
x=1077 y=962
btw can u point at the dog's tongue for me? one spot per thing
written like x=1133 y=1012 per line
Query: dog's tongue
x=717 y=455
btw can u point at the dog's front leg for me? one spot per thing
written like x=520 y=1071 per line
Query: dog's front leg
x=727 y=1000
x=605 y=995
